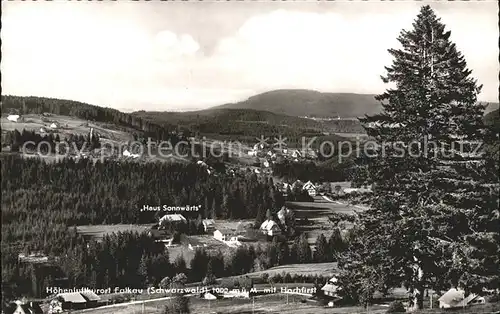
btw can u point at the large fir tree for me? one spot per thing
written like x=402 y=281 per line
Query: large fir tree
x=434 y=214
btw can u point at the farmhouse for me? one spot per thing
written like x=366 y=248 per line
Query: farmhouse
x=331 y=288
x=309 y=153
x=310 y=188
x=13 y=117
x=54 y=125
x=208 y=225
x=270 y=228
x=455 y=298
x=223 y=234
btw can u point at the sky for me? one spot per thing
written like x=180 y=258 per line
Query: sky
x=193 y=55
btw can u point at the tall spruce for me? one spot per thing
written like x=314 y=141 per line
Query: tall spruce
x=433 y=218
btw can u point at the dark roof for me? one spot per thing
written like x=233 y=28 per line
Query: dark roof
x=90 y=295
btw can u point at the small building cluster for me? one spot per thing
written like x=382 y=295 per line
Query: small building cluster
x=455 y=298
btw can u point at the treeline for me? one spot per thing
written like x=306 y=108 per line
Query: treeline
x=17 y=140
x=40 y=105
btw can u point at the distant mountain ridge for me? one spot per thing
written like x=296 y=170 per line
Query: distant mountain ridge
x=302 y=102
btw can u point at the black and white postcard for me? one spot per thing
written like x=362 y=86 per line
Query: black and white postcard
x=250 y=157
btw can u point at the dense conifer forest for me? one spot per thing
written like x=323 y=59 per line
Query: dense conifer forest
x=40 y=200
